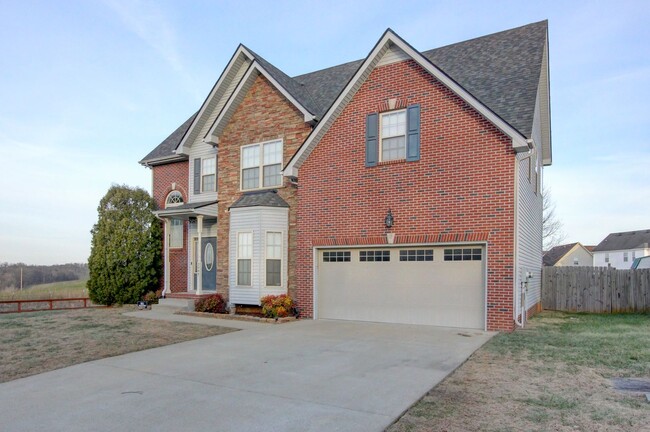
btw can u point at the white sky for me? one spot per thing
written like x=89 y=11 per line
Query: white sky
x=87 y=88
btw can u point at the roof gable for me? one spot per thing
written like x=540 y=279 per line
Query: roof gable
x=389 y=40
x=484 y=68
x=164 y=152
x=554 y=255
x=625 y=241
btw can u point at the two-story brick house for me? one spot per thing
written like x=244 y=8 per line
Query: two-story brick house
x=403 y=187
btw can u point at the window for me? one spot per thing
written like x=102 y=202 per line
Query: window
x=633 y=255
x=175 y=198
x=209 y=175
x=374 y=256
x=176 y=234
x=467 y=254
x=625 y=256
x=575 y=261
x=261 y=158
x=273 y=258
x=416 y=255
x=606 y=257
x=244 y=258
x=338 y=256
x=393 y=135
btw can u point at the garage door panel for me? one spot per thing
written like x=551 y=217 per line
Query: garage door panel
x=438 y=292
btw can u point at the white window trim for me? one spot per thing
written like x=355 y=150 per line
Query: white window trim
x=237 y=258
x=282 y=264
x=167 y=205
x=380 y=156
x=260 y=166
x=203 y=174
x=171 y=224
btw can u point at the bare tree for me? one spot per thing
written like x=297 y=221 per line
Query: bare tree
x=552 y=228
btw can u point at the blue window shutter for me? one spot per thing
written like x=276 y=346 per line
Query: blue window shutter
x=413 y=133
x=197 y=176
x=372 y=147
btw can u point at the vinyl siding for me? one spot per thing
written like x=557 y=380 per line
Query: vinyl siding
x=529 y=223
x=616 y=258
x=257 y=220
x=200 y=149
x=393 y=55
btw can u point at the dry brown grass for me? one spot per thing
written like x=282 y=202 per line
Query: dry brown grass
x=42 y=341
x=549 y=377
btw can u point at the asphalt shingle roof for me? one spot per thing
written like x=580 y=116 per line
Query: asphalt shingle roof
x=267 y=198
x=501 y=70
x=624 y=240
x=551 y=257
x=167 y=147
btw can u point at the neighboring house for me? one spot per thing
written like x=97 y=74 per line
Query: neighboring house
x=572 y=254
x=621 y=249
x=403 y=187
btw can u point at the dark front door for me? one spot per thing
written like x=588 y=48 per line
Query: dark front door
x=209 y=264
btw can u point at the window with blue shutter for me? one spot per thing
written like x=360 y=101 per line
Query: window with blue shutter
x=372 y=143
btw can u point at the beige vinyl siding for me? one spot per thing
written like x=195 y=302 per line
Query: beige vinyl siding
x=393 y=55
x=582 y=255
x=257 y=220
x=201 y=150
x=529 y=223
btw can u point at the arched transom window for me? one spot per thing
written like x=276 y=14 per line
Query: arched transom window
x=174 y=199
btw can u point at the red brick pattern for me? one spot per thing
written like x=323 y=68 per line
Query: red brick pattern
x=263 y=115
x=164 y=176
x=463 y=184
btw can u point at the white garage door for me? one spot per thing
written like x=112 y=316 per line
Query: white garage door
x=441 y=286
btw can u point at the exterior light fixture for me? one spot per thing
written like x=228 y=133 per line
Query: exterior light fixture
x=389 y=220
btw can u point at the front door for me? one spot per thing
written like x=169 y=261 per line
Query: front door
x=209 y=264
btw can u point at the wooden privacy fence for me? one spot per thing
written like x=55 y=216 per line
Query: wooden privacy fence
x=595 y=289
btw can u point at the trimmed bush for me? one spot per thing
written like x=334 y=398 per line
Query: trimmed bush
x=213 y=304
x=277 y=306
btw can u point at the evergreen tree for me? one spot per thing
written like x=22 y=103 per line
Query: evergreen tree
x=125 y=257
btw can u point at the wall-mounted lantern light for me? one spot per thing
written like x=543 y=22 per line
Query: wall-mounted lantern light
x=389 y=220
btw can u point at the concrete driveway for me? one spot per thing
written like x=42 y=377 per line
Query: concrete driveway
x=303 y=376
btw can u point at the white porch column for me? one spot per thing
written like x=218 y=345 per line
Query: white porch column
x=168 y=230
x=199 y=253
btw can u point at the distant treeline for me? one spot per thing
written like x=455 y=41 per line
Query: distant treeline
x=39 y=274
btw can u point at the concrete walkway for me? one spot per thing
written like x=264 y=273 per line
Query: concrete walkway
x=303 y=376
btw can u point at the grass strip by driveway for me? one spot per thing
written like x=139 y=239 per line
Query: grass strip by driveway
x=552 y=375
x=37 y=342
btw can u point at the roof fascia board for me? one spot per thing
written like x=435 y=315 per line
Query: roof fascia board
x=162 y=160
x=519 y=142
x=241 y=50
x=211 y=136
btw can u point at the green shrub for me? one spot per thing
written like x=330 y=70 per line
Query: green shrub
x=277 y=306
x=213 y=304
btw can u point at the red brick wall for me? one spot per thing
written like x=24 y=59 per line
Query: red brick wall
x=263 y=115
x=464 y=182
x=163 y=177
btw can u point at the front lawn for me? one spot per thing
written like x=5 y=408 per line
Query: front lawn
x=552 y=375
x=37 y=342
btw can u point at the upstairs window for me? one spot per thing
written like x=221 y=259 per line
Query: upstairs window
x=606 y=257
x=625 y=256
x=209 y=175
x=576 y=261
x=261 y=165
x=175 y=198
x=393 y=136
